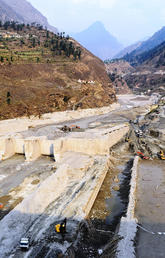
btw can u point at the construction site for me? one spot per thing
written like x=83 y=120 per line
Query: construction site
x=85 y=183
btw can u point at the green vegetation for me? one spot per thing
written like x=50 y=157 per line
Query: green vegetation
x=20 y=43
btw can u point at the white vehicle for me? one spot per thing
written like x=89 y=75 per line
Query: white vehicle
x=24 y=243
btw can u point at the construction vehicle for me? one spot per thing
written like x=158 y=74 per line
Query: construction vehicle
x=24 y=243
x=71 y=128
x=61 y=228
x=139 y=133
x=127 y=139
x=161 y=155
x=153 y=108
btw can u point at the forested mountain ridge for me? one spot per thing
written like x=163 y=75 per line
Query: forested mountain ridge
x=151 y=43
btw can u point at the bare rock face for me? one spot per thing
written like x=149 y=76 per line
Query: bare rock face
x=7 y=13
x=22 y=11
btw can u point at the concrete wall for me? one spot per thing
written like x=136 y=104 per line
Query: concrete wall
x=99 y=181
x=93 y=143
x=6 y=148
x=128 y=224
x=32 y=148
x=98 y=145
x=47 y=147
x=19 y=146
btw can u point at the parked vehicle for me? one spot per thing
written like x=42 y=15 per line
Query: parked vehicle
x=61 y=228
x=24 y=243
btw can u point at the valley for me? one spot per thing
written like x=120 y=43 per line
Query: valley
x=82 y=129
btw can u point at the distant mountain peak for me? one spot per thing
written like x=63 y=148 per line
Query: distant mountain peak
x=98 y=40
x=97 y=24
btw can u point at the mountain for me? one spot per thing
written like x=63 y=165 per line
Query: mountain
x=99 y=41
x=22 y=11
x=7 y=13
x=44 y=72
x=128 y=50
x=147 y=45
x=116 y=70
x=149 y=72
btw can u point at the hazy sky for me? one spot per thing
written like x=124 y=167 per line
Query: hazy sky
x=128 y=20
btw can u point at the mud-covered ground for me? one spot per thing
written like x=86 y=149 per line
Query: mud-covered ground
x=20 y=178
x=85 y=239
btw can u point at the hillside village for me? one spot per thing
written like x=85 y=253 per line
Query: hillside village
x=34 y=43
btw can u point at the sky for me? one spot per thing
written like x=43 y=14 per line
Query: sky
x=128 y=20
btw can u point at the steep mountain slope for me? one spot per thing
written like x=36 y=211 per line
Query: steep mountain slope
x=99 y=41
x=22 y=11
x=147 y=45
x=149 y=74
x=42 y=72
x=116 y=70
x=128 y=50
x=7 y=13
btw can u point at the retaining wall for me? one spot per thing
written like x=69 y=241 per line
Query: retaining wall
x=128 y=224
x=91 y=143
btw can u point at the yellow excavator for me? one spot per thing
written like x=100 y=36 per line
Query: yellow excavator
x=61 y=228
x=161 y=155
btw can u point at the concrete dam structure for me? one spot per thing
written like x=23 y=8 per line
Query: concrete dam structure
x=72 y=172
x=82 y=160
x=93 y=142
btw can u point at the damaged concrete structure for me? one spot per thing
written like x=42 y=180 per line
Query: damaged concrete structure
x=91 y=142
x=83 y=162
x=128 y=224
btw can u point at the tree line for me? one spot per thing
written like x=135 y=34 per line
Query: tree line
x=59 y=44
